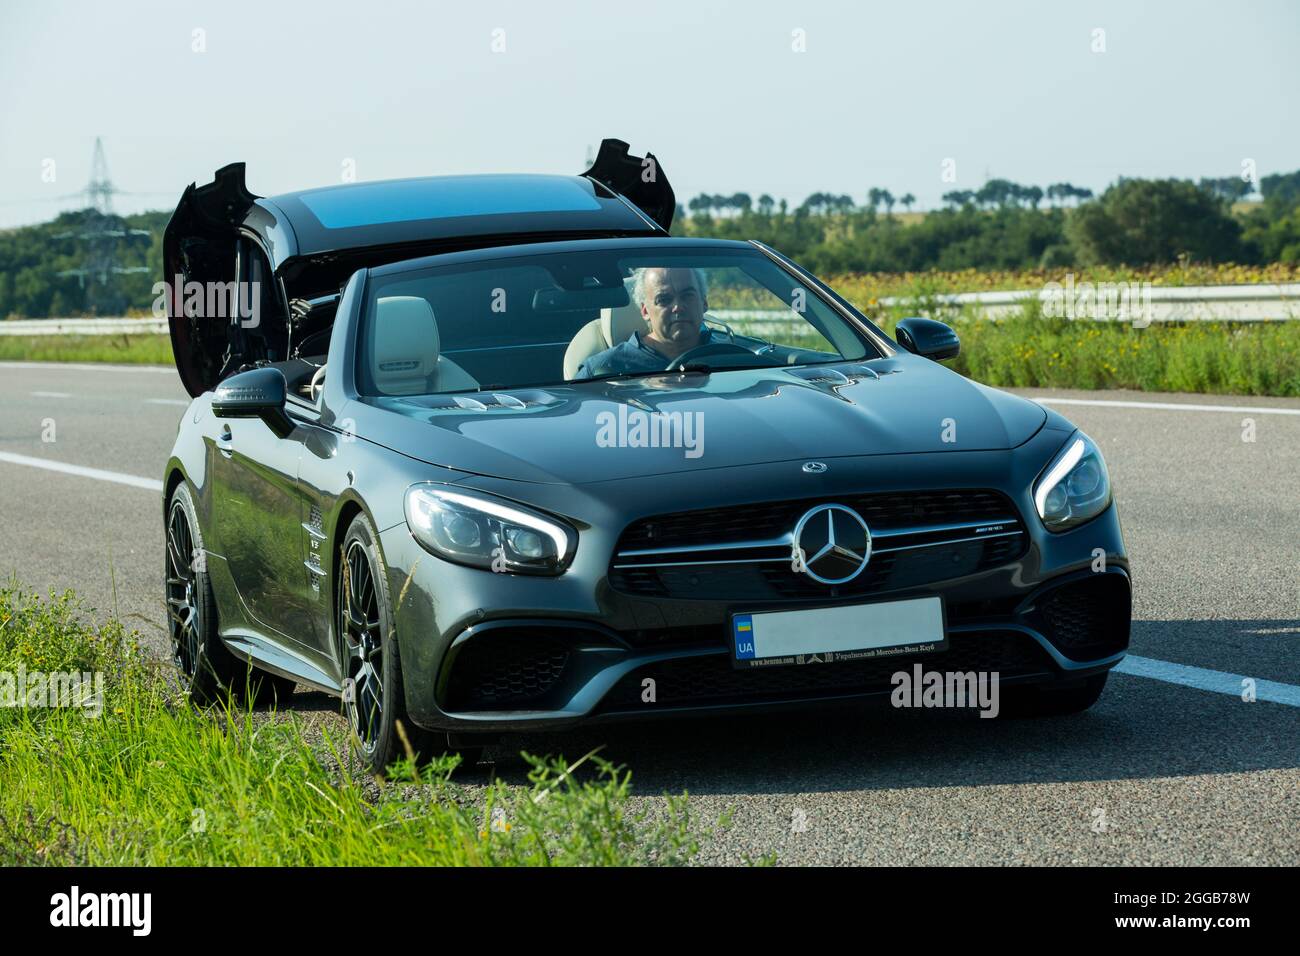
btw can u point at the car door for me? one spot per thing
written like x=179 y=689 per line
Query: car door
x=256 y=505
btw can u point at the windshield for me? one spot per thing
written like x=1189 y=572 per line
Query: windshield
x=550 y=318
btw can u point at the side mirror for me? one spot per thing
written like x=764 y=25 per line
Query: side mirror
x=257 y=393
x=928 y=338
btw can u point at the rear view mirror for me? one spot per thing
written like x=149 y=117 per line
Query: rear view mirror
x=580 y=300
x=257 y=393
x=927 y=338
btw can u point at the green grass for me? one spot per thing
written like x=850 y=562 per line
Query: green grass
x=127 y=349
x=1248 y=358
x=1031 y=351
x=155 y=781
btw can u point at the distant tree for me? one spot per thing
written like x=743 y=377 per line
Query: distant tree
x=1140 y=221
x=1283 y=188
x=1032 y=195
x=1229 y=188
x=1060 y=192
x=959 y=197
x=875 y=197
x=887 y=198
x=907 y=201
x=817 y=204
x=765 y=204
x=701 y=204
x=997 y=192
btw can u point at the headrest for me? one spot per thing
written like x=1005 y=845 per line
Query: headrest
x=406 y=345
x=617 y=325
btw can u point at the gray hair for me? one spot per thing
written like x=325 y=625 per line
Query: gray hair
x=638 y=283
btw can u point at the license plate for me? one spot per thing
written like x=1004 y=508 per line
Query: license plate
x=828 y=634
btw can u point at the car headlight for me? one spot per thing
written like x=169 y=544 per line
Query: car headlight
x=485 y=532
x=1075 y=487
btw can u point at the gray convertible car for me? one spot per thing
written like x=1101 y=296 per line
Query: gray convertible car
x=484 y=454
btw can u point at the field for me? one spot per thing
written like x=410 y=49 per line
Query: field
x=1029 y=350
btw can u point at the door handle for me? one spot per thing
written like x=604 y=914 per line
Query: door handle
x=225 y=442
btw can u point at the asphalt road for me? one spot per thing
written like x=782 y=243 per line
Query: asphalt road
x=1162 y=770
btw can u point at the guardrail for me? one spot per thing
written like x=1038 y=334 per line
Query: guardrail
x=1229 y=303
x=102 y=326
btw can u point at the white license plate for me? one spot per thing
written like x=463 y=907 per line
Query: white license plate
x=827 y=634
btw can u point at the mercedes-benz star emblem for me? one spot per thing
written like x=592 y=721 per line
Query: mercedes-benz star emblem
x=814 y=467
x=834 y=543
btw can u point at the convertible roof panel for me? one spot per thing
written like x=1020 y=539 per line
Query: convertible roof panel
x=443 y=207
x=444 y=197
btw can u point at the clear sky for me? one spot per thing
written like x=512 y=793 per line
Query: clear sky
x=880 y=94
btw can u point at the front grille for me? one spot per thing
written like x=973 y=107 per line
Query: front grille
x=743 y=552
x=711 y=680
x=1087 y=618
x=497 y=670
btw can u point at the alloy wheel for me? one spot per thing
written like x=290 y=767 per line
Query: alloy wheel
x=363 y=647
x=184 y=609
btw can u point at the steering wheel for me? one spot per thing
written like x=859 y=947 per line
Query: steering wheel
x=707 y=349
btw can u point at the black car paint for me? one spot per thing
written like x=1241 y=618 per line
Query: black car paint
x=222 y=230
x=275 y=509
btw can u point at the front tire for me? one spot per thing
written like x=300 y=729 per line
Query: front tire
x=373 y=695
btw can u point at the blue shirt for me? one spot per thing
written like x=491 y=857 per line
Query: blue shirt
x=630 y=356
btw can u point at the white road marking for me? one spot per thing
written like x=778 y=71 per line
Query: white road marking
x=166 y=401
x=149 y=484
x=51 y=395
x=1220 y=682
x=88 y=367
x=1168 y=406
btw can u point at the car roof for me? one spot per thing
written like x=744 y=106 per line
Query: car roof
x=553 y=248
x=388 y=212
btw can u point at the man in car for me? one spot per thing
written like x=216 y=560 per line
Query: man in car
x=673 y=303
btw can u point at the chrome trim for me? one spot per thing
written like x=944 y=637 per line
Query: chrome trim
x=688 y=564
x=786 y=541
x=936 y=528
x=782 y=542
x=318 y=535
x=936 y=544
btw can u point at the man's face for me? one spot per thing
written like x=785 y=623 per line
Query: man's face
x=674 y=307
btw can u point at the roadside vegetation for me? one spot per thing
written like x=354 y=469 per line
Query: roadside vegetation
x=152 y=780
x=1028 y=351
x=126 y=349
x=1002 y=236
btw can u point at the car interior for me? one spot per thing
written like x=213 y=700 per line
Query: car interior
x=405 y=348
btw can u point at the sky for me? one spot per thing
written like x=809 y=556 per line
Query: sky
x=786 y=98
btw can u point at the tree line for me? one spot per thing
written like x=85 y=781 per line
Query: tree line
x=1005 y=225
x=53 y=269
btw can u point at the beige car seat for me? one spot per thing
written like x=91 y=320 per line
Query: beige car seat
x=405 y=352
x=612 y=328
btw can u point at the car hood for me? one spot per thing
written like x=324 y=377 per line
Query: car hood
x=614 y=429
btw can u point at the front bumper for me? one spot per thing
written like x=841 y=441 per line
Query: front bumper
x=493 y=653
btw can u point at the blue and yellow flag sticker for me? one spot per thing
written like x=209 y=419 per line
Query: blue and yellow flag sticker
x=743 y=634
